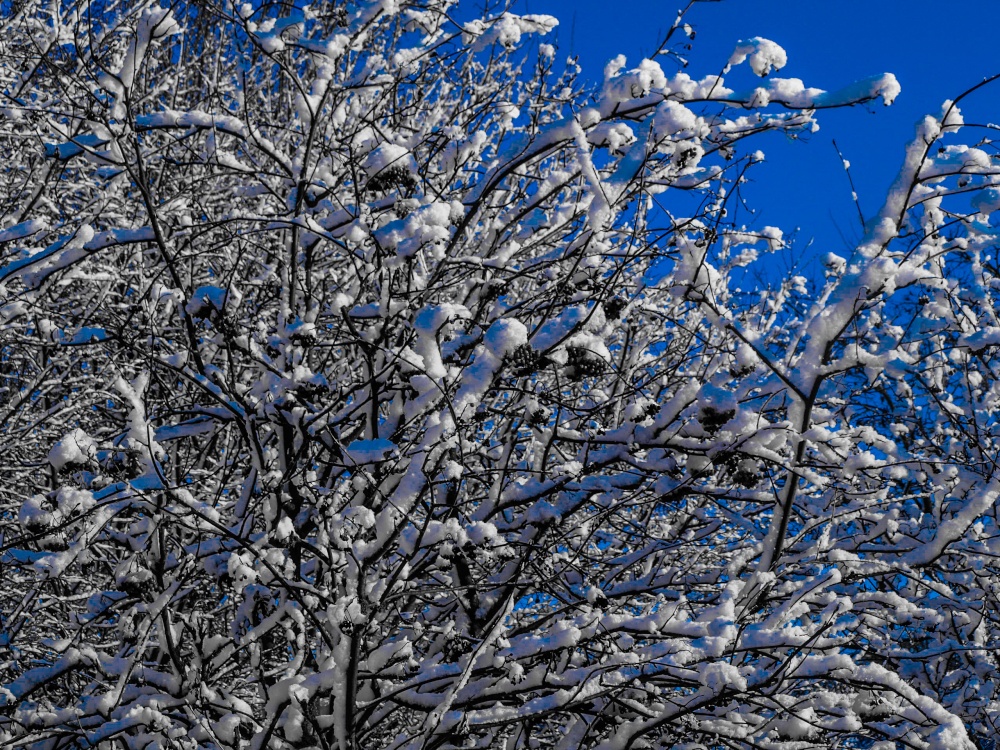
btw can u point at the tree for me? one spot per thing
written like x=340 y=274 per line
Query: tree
x=369 y=383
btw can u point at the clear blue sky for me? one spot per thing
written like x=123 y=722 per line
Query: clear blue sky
x=935 y=49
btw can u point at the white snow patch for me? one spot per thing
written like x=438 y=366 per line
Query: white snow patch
x=764 y=55
x=75 y=449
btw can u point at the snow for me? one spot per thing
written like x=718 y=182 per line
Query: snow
x=986 y=201
x=427 y=226
x=763 y=54
x=22 y=230
x=32 y=514
x=672 y=119
x=473 y=385
x=154 y=24
x=504 y=336
x=192 y=119
x=68 y=251
x=75 y=449
x=427 y=323
x=507 y=29
x=210 y=299
x=558 y=329
x=591 y=343
x=386 y=156
x=834 y=262
x=885 y=86
x=792 y=92
x=798 y=725
x=636 y=83
x=501 y=339
x=138 y=436
x=611 y=135
x=982 y=500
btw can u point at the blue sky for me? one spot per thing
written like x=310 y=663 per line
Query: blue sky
x=936 y=50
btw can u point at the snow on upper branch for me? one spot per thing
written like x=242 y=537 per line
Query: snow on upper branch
x=764 y=56
x=154 y=23
x=506 y=29
x=792 y=92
